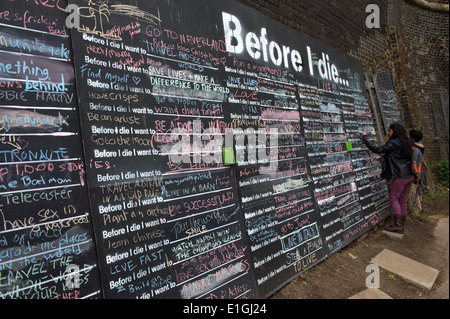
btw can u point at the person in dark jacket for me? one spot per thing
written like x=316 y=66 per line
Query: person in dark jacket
x=396 y=167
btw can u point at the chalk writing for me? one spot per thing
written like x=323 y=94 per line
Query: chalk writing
x=46 y=230
x=169 y=223
x=162 y=89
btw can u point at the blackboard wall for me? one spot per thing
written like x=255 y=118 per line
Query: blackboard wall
x=47 y=246
x=162 y=87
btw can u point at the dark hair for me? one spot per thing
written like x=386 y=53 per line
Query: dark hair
x=399 y=133
x=416 y=135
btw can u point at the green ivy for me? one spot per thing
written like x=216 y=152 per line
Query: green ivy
x=441 y=172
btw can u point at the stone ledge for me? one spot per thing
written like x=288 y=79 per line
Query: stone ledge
x=371 y=293
x=408 y=269
x=393 y=236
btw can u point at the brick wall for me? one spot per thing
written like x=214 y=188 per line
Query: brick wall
x=339 y=23
x=425 y=59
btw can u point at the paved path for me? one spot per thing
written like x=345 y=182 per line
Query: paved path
x=413 y=271
x=441 y=233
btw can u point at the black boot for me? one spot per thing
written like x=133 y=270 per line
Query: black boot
x=398 y=225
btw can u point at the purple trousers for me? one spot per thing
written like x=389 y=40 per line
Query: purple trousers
x=397 y=196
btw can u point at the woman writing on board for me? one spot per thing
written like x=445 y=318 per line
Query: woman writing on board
x=396 y=167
